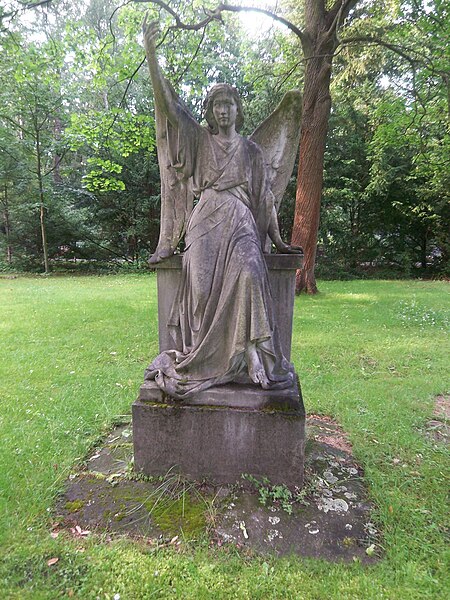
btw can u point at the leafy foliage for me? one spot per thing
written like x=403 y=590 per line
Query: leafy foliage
x=71 y=78
x=373 y=354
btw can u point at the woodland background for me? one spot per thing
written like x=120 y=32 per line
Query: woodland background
x=79 y=180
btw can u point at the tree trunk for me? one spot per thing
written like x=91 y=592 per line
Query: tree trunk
x=57 y=129
x=41 y=203
x=423 y=250
x=7 y=226
x=314 y=126
x=319 y=41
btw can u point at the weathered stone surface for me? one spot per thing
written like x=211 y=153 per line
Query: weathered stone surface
x=220 y=313
x=334 y=523
x=331 y=521
x=281 y=268
x=225 y=306
x=232 y=395
x=221 y=434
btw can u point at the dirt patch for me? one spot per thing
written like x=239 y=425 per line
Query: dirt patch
x=329 y=518
x=93 y=503
x=442 y=407
x=438 y=429
x=324 y=430
x=438 y=432
x=100 y=495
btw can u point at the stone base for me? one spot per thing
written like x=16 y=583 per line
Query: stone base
x=221 y=433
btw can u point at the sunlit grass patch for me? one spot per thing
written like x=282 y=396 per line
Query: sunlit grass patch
x=372 y=354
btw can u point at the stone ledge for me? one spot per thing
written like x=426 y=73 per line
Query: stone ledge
x=279 y=262
x=247 y=397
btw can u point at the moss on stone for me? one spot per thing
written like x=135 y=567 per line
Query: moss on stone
x=184 y=515
x=74 y=505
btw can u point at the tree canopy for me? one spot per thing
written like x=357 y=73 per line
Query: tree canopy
x=79 y=182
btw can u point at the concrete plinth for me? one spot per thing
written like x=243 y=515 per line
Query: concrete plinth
x=221 y=433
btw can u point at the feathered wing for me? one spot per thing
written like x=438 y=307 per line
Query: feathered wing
x=278 y=137
x=176 y=191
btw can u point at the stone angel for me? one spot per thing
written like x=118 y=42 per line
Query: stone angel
x=222 y=316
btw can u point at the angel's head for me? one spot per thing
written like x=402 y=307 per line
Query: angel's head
x=223 y=93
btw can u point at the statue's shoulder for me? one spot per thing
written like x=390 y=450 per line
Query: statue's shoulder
x=252 y=147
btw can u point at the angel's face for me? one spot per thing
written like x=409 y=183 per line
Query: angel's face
x=224 y=110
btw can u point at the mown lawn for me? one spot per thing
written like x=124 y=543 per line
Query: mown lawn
x=72 y=354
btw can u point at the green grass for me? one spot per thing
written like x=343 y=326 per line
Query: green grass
x=372 y=354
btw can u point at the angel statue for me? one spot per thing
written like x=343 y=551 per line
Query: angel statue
x=222 y=316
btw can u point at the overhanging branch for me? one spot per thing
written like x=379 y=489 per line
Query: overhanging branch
x=338 y=13
x=16 y=124
x=216 y=14
x=24 y=6
x=368 y=39
x=411 y=55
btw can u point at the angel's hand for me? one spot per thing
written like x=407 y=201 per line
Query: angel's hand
x=151 y=32
x=284 y=248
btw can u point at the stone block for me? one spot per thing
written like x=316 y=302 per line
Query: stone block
x=221 y=433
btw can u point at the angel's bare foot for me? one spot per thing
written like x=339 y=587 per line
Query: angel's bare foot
x=255 y=368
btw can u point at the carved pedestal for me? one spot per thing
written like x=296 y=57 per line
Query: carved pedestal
x=225 y=431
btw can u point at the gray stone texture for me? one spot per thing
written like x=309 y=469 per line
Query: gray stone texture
x=281 y=269
x=222 y=317
x=221 y=398
x=221 y=433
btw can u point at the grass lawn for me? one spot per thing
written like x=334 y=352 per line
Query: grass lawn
x=372 y=354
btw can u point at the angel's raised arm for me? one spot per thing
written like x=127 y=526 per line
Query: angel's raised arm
x=164 y=97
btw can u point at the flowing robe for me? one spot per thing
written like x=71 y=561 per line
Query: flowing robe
x=224 y=301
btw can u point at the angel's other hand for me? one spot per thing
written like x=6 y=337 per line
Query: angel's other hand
x=288 y=249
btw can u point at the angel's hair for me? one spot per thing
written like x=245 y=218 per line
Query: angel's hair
x=208 y=106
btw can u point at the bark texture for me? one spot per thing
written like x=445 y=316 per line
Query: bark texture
x=7 y=224
x=316 y=105
x=319 y=41
x=41 y=202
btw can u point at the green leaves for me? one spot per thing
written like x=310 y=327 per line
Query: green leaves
x=101 y=176
x=117 y=131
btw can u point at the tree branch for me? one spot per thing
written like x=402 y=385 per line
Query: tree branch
x=57 y=163
x=367 y=39
x=287 y=74
x=130 y=79
x=28 y=5
x=193 y=57
x=123 y=256
x=16 y=124
x=413 y=56
x=216 y=14
x=111 y=18
x=15 y=158
x=339 y=12
x=341 y=6
x=24 y=6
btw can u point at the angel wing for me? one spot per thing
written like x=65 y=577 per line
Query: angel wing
x=177 y=197
x=278 y=137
